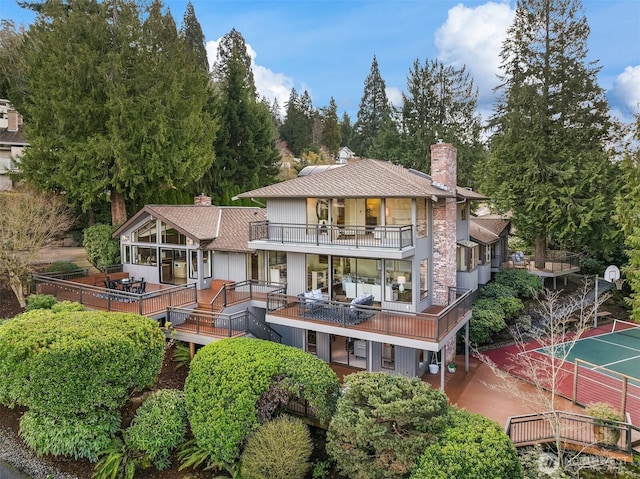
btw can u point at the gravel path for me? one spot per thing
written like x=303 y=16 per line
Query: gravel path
x=16 y=454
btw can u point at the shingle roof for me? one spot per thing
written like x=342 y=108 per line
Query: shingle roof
x=220 y=228
x=487 y=230
x=12 y=138
x=357 y=179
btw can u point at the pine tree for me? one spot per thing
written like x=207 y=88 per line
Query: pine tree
x=297 y=128
x=346 y=130
x=10 y=40
x=115 y=107
x=191 y=33
x=440 y=104
x=547 y=162
x=246 y=153
x=374 y=112
x=331 y=131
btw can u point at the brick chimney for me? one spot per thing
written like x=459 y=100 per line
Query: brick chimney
x=443 y=176
x=14 y=120
x=202 y=199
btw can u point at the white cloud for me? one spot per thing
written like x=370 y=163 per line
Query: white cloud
x=626 y=88
x=394 y=95
x=473 y=37
x=269 y=84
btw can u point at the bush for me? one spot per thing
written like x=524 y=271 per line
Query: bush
x=473 y=447
x=62 y=267
x=487 y=319
x=227 y=379
x=383 y=423
x=511 y=306
x=75 y=369
x=591 y=266
x=525 y=285
x=67 y=306
x=40 y=301
x=102 y=250
x=495 y=290
x=158 y=427
x=279 y=449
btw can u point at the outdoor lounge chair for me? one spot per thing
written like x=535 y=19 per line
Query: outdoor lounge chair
x=312 y=300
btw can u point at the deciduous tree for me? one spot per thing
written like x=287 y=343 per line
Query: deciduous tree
x=548 y=163
x=28 y=223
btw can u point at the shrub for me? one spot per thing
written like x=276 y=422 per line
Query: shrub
x=40 y=301
x=473 y=447
x=525 y=285
x=511 y=306
x=383 y=423
x=279 y=449
x=75 y=369
x=591 y=266
x=158 y=426
x=487 y=319
x=67 y=306
x=228 y=378
x=102 y=250
x=495 y=290
x=62 y=267
x=181 y=356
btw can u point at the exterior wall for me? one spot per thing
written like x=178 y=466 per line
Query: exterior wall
x=287 y=210
x=462 y=226
x=290 y=336
x=296 y=273
x=229 y=266
x=323 y=345
x=468 y=280
x=484 y=273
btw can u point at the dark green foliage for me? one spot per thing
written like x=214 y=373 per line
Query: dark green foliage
x=40 y=301
x=297 y=128
x=191 y=33
x=511 y=306
x=102 y=250
x=228 y=378
x=374 y=112
x=115 y=462
x=181 y=356
x=75 y=370
x=472 y=447
x=548 y=162
x=331 y=138
x=62 y=267
x=279 y=449
x=158 y=427
x=383 y=423
x=487 y=319
x=592 y=266
x=495 y=290
x=346 y=129
x=524 y=284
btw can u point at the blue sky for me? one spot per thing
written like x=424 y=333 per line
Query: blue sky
x=326 y=46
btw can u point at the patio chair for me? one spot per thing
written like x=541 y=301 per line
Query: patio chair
x=311 y=301
x=141 y=288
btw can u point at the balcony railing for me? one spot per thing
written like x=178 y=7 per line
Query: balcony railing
x=554 y=262
x=370 y=236
x=423 y=326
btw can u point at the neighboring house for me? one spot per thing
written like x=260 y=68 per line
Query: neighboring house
x=344 y=155
x=12 y=143
x=189 y=244
x=492 y=235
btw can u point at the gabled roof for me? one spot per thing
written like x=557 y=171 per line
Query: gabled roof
x=358 y=179
x=487 y=230
x=221 y=228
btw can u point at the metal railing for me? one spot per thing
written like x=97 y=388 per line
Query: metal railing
x=232 y=293
x=553 y=262
x=424 y=326
x=146 y=304
x=575 y=428
x=67 y=275
x=358 y=236
x=261 y=330
x=198 y=321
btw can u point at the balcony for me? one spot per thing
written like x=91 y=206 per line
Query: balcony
x=431 y=326
x=351 y=236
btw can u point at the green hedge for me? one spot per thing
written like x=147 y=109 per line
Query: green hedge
x=525 y=285
x=102 y=250
x=383 y=423
x=69 y=365
x=227 y=379
x=472 y=447
x=487 y=319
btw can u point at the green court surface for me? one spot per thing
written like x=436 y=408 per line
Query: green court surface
x=618 y=351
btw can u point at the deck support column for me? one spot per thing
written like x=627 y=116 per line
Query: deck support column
x=192 y=350
x=466 y=347
x=443 y=352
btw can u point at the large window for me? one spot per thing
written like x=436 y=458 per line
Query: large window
x=144 y=255
x=398 y=284
x=277 y=266
x=318 y=272
x=467 y=256
x=398 y=211
x=172 y=236
x=147 y=233
x=424 y=278
x=422 y=218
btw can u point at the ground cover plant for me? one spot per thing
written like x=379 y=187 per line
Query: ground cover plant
x=74 y=370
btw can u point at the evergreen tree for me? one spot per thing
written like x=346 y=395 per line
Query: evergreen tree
x=10 y=40
x=440 y=104
x=374 y=112
x=346 y=130
x=246 y=153
x=547 y=162
x=330 y=129
x=628 y=217
x=191 y=33
x=297 y=128
x=115 y=107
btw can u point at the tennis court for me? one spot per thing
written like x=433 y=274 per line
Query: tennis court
x=606 y=368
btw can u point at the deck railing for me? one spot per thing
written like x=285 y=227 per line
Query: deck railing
x=358 y=236
x=233 y=293
x=147 y=304
x=220 y=324
x=552 y=262
x=574 y=428
x=423 y=326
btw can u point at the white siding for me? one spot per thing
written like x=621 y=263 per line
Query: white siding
x=290 y=210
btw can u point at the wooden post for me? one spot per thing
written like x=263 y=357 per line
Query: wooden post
x=192 y=350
